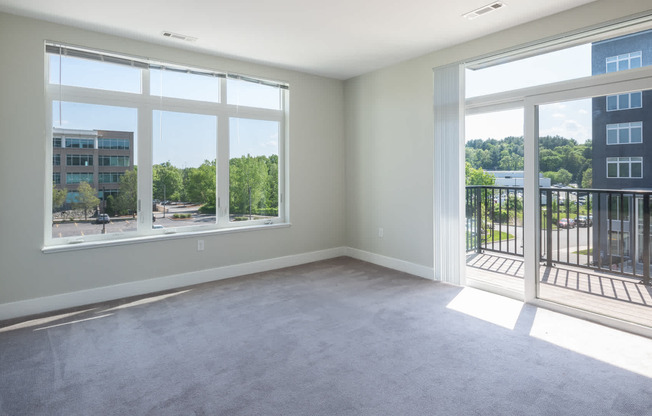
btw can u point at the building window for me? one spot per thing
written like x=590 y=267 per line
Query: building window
x=624 y=62
x=114 y=144
x=625 y=133
x=79 y=160
x=625 y=167
x=56 y=178
x=110 y=177
x=214 y=141
x=56 y=160
x=80 y=143
x=114 y=161
x=79 y=177
x=56 y=142
x=624 y=101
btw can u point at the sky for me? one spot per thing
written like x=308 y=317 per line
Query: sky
x=183 y=139
x=568 y=119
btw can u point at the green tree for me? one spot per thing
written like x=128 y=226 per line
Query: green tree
x=478 y=176
x=110 y=205
x=562 y=176
x=58 y=197
x=127 y=201
x=587 y=178
x=167 y=182
x=200 y=183
x=248 y=182
x=86 y=198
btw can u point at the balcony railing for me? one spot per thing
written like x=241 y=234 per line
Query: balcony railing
x=594 y=228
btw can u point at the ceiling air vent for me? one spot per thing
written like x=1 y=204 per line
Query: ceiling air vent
x=484 y=10
x=178 y=36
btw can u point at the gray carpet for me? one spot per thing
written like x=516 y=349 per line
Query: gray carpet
x=338 y=337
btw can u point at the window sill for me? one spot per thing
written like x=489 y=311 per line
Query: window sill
x=158 y=237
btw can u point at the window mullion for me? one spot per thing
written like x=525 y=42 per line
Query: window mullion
x=144 y=160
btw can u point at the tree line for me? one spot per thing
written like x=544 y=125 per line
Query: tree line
x=253 y=188
x=562 y=160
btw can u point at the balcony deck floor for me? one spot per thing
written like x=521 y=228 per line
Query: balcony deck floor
x=591 y=290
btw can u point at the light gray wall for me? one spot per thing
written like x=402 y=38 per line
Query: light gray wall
x=316 y=174
x=390 y=136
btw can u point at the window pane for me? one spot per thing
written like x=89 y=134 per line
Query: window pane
x=174 y=84
x=253 y=169
x=82 y=195
x=612 y=136
x=624 y=170
x=566 y=64
x=637 y=170
x=184 y=171
x=636 y=101
x=623 y=101
x=637 y=134
x=612 y=102
x=88 y=73
x=612 y=170
x=250 y=94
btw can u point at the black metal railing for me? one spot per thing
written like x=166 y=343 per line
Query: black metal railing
x=494 y=219
x=593 y=228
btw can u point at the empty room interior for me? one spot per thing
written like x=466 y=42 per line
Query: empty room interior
x=325 y=208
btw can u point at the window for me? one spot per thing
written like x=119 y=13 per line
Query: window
x=77 y=177
x=624 y=101
x=624 y=62
x=215 y=144
x=56 y=160
x=114 y=144
x=111 y=177
x=625 y=133
x=114 y=160
x=56 y=178
x=624 y=167
x=56 y=142
x=80 y=143
x=79 y=160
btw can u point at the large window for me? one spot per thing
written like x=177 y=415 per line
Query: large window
x=173 y=148
x=624 y=101
x=624 y=167
x=624 y=62
x=79 y=160
x=625 y=133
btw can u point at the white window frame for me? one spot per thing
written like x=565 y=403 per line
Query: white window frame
x=626 y=57
x=145 y=104
x=629 y=161
x=620 y=127
x=629 y=101
x=530 y=99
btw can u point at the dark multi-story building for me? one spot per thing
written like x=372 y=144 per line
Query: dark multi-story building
x=99 y=157
x=622 y=145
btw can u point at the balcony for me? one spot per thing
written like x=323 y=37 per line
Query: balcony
x=594 y=247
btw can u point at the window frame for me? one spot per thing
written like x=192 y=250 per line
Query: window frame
x=620 y=161
x=629 y=127
x=624 y=57
x=145 y=105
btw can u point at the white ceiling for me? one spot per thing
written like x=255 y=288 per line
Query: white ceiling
x=335 y=38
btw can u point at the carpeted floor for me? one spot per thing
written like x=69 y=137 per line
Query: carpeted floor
x=338 y=337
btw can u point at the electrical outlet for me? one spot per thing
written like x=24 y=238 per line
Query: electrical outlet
x=200 y=245
x=380 y=232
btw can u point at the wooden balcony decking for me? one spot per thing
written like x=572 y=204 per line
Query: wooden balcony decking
x=591 y=290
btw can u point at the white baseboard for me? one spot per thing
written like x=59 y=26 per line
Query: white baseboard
x=391 y=263
x=142 y=287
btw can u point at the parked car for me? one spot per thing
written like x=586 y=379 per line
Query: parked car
x=103 y=219
x=584 y=221
x=566 y=223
